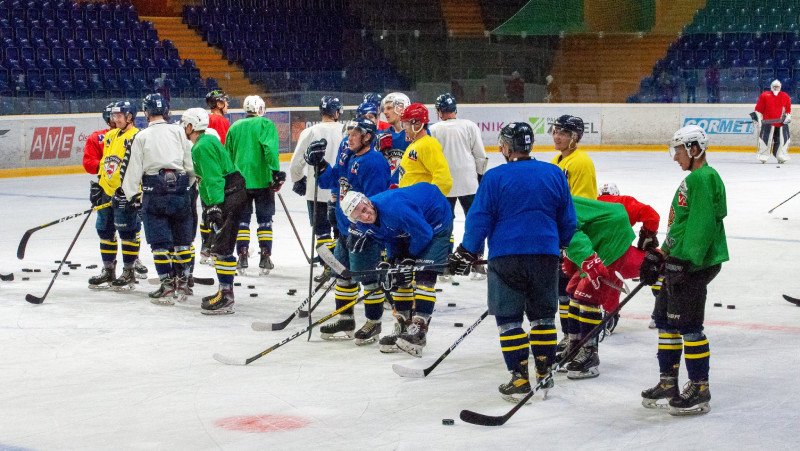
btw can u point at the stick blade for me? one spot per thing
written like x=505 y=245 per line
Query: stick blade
x=404 y=371
x=7 y=277
x=33 y=299
x=22 y=244
x=229 y=360
x=480 y=419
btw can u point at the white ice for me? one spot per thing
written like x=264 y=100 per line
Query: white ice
x=103 y=370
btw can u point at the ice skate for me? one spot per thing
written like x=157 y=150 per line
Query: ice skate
x=265 y=264
x=205 y=257
x=666 y=389
x=141 y=269
x=344 y=323
x=445 y=278
x=542 y=371
x=104 y=279
x=413 y=340
x=563 y=348
x=652 y=324
x=241 y=263
x=220 y=303
x=693 y=401
x=369 y=333
x=585 y=365
x=126 y=281
x=518 y=387
x=182 y=289
x=326 y=273
x=389 y=342
x=165 y=294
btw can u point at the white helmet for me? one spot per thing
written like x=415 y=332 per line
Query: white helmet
x=350 y=202
x=609 y=189
x=254 y=104
x=198 y=117
x=687 y=136
x=396 y=98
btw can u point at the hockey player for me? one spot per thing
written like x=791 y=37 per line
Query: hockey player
x=329 y=129
x=363 y=169
x=392 y=107
x=93 y=151
x=462 y=147
x=161 y=161
x=217 y=102
x=577 y=166
x=600 y=247
x=223 y=190
x=253 y=144
x=691 y=255
x=525 y=210
x=123 y=216
x=423 y=160
x=774 y=106
x=376 y=99
x=414 y=225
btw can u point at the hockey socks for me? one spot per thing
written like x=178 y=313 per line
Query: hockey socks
x=697 y=355
x=226 y=268
x=264 y=236
x=563 y=313
x=346 y=292
x=404 y=300
x=373 y=303
x=543 y=340
x=514 y=344
x=108 y=249
x=163 y=262
x=424 y=300
x=670 y=346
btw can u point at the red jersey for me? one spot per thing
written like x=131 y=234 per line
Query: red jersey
x=771 y=106
x=383 y=125
x=93 y=152
x=637 y=211
x=220 y=124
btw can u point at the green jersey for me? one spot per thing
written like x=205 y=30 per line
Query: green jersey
x=603 y=227
x=696 y=232
x=211 y=164
x=253 y=144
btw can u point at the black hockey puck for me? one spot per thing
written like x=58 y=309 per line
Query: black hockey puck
x=785 y=219
x=451 y=304
x=458 y=324
x=27 y=270
x=251 y=286
x=53 y=271
x=26 y=278
x=717 y=304
x=438 y=290
x=56 y=261
x=292 y=291
x=455 y=283
x=37 y=270
x=448 y=422
x=731 y=306
x=91 y=267
x=66 y=273
x=252 y=295
x=237 y=284
x=67 y=262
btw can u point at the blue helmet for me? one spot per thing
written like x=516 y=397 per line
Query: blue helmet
x=107 y=112
x=366 y=108
x=329 y=105
x=374 y=98
x=125 y=107
x=363 y=125
x=155 y=105
x=445 y=103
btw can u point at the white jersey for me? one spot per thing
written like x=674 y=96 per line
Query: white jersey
x=464 y=152
x=332 y=132
x=159 y=146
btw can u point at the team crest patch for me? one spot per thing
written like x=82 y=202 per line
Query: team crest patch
x=395 y=156
x=412 y=155
x=111 y=165
x=682 y=194
x=354 y=168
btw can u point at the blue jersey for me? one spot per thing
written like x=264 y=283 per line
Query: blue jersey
x=522 y=207
x=414 y=213
x=367 y=173
x=399 y=145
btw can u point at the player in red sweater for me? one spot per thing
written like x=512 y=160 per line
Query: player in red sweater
x=217 y=102
x=773 y=105
x=93 y=152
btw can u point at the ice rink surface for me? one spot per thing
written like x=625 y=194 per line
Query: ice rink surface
x=91 y=370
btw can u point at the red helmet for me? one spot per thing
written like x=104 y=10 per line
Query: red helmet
x=415 y=112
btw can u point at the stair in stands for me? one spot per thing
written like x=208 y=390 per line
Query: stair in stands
x=463 y=17
x=207 y=59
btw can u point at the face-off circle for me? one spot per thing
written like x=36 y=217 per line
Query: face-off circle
x=262 y=423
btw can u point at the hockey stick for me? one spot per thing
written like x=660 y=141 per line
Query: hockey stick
x=197 y=280
x=23 y=243
x=489 y=420
x=7 y=277
x=262 y=326
x=293 y=227
x=403 y=371
x=794 y=301
x=38 y=300
x=787 y=200
x=231 y=361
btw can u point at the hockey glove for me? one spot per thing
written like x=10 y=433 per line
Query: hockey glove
x=647 y=240
x=385 y=143
x=788 y=119
x=299 y=186
x=356 y=240
x=315 y=153
x=399 y=275
x=650 y=268
x=594 y=269
x=95 y=193
x=214 y=217
x=120 y=201
x=278 y=179
x=675 y=271
x=460 y=262
x=568 y=267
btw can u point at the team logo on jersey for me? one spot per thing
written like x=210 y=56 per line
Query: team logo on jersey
x=354 y=168
x=111 y=164
x=101 y=138
x=402 y=171
x=412 y=154
x=344 y=187
x=395 y=156
x=682 y=194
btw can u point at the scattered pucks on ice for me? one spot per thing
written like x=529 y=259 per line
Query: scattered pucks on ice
x=56 y=261
x=451 y=304
x=26 y=278
x=455 y=283
x=731 y=306
x=717 y=304
x=27 y=270
x=448 y=422
x=252 y=295
x=292 y=291
x=53 y=271
x=237 y=284
x=251 y=286
x=66 y=273
x=438 y=290
x=458 y=324
x=91 y=267
x=37 y=270
x=785 y=219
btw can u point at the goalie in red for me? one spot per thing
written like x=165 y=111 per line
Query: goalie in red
x=773 y=114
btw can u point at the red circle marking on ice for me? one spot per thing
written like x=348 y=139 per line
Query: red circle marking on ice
x=262 y=423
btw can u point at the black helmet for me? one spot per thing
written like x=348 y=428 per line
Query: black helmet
x=518 y=135
x=107 y=112
x=572 y=124
x=445 y=103
x=215 y=96
x=330 y=105
x=155 y=105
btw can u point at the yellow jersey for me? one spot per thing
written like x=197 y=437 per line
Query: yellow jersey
x=114 y=148
x=423 y=161
x=579 y=169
